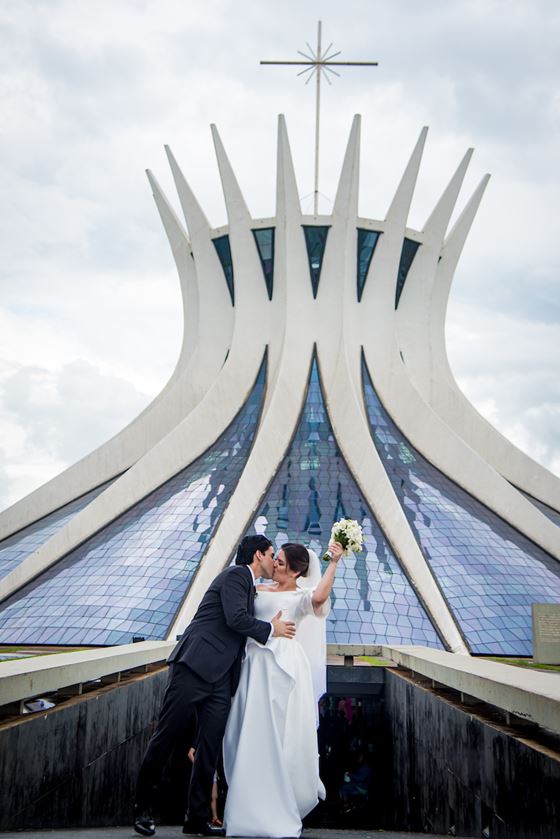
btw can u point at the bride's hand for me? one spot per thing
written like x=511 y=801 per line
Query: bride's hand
x=282 y=629
x=336 y=550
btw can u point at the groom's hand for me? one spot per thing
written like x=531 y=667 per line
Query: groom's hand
x=282 y=629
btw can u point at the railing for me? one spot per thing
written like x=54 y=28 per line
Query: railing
x=26 y=678
x=528 y=695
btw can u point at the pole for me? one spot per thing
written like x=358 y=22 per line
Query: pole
x=317 y=113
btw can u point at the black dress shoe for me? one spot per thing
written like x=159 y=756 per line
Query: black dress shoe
x=144 y=823
x=201 y=828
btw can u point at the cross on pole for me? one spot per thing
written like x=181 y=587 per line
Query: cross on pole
x=320 y=63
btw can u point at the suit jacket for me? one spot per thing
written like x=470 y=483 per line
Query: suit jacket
x=214 y=641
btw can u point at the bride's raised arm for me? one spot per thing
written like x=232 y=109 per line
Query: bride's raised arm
x=323 y=589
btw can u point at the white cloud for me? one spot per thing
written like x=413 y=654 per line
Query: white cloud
x=50 y=418
x=91 y=92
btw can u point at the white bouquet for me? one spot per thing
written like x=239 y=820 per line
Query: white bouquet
x=348 y=533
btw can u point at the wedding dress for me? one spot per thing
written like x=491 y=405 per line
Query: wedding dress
x=271 y=759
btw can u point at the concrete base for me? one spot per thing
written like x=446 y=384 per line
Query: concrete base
x=440 y=766
x=457 y=771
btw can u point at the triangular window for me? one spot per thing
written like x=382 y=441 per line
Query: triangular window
x=224 y=253
x=315 y=240
x=367 y=240
x=408 y=253
x=264 y=239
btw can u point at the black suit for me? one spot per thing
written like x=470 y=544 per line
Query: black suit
x=204 y=675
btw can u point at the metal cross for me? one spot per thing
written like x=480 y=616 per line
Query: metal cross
x=320 y=63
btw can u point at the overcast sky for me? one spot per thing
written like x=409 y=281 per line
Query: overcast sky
x=90 y=312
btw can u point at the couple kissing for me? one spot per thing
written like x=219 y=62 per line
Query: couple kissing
x=252 y=668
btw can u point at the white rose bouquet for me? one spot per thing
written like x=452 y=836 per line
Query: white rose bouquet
x=348 y=533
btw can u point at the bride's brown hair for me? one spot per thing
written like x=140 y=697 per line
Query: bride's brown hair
x=297 y=558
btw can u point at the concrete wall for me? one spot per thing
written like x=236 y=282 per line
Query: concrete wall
x=77 y=765
x=454 y=771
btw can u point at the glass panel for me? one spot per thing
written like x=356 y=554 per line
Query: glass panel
x=16 y=548
x=549 y=512
x=264 y=238
x=224 y=252
x=131 y=577
x=367 y=240
x=315 y=241
x=408 y=253
x=373 y=601
x=489 y=573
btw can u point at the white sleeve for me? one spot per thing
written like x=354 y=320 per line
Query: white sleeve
x=305 y=606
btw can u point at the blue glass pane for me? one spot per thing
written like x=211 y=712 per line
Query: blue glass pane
x=373 y=601
x=408 y=253
x=131 y=577
x=224 y=253
x=264 y=238
x=315 y=241
x=549 y=512
x=488 y=572
x=16 y=548
x=367 y=240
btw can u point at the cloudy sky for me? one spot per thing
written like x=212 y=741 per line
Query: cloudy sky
x=90 y=91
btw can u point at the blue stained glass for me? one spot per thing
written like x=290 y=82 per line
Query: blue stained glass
x=131 y=577
x=223 y=249
x=489 y=573
x=264 y=239
x=315 y=241
x=408 y=253
x=373 y=601
x=549 y=512
x=367 y=240
x=14 y=549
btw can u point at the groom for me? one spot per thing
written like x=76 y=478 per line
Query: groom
x=204 y=674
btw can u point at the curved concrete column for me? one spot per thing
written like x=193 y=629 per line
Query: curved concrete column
x=291 y=344
x=425 y=429
x=447 y=398
x=206 y=337
x=192 y=435
x=339 y=356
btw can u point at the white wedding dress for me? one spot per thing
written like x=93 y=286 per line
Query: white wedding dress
x=271 y=759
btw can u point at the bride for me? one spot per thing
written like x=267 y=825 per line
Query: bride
x=271 y=760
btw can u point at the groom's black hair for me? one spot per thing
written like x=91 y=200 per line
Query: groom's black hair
x=248 y=546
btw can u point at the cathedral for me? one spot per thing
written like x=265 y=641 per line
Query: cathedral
x=312 y=384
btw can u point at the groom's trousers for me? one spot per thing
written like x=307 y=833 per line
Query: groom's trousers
x=186 y=693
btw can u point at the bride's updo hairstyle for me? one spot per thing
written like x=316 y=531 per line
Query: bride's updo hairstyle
x=297 y=558
x=248 y=547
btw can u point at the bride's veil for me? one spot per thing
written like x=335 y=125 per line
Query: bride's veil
x=312 y=633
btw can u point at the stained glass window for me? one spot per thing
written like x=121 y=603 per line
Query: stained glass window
x=131 y=577
x=489 y=573
x=264 y=239
x=367 y=240
x=223 y=249
x=315 y=241
x=408 y=253
x=373 y=601
x=18 y=547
